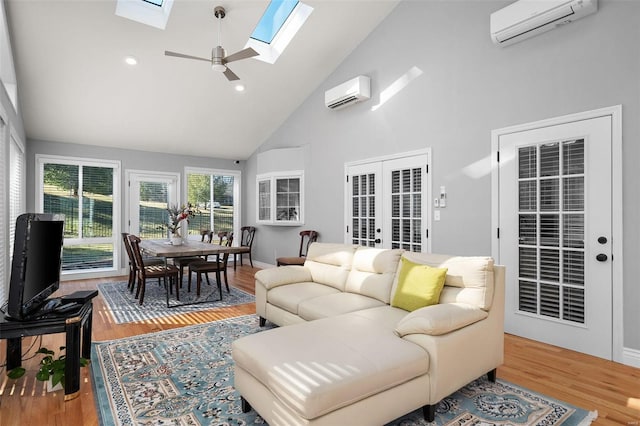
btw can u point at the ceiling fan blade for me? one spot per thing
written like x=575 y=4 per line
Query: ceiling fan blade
x=182 y=55
x=231 y=76
x=243 y=54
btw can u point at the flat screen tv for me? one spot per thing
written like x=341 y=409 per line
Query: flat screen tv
x=37 y=258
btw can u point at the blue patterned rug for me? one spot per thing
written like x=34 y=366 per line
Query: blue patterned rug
x=125 y=308
x=185 y=377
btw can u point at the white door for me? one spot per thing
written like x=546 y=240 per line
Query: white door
x=386 y=203
x=555 y=209
x=149 y=195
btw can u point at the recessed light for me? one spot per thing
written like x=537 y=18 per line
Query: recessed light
x=239 y=87
x=130 y=60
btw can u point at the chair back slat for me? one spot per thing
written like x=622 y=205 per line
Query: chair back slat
x=246 y=236
x=134 y=241
x=309 y=236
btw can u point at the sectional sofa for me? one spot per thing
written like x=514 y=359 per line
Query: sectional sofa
x=347 y=352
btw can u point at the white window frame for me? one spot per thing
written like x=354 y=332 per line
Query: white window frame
x=273 y=177
x=41 y=160
x=237 y=192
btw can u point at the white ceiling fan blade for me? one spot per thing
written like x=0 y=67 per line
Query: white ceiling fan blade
x=182 y=55
x=231 y=76
x=243 y=54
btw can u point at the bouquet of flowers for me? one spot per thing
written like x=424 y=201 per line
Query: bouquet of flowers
x=177 y=215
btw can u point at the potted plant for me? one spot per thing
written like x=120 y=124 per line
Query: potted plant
x=51 y=369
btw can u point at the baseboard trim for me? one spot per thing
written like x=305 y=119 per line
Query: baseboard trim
x=631 y=357
x=263 y=265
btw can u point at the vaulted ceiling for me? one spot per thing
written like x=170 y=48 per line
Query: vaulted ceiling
x=74 y=86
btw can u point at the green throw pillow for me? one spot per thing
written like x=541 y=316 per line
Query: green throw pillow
x=418 y=286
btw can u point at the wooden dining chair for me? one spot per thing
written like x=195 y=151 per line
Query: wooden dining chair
x=145 y=272
x=133 y=271
x=219 y=265
x=182 y=262
x=306 y=238
x=247 y=233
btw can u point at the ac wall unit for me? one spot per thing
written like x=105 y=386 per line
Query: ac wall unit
x=355 y=90
x=527 y=18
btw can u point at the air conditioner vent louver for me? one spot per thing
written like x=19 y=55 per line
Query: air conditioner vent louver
x=350 y=92
x=343 y=102
x=527 y=18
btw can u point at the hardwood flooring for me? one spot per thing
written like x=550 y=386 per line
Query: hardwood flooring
x=591 y=383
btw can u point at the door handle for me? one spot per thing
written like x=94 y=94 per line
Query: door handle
x=377 y=241
x=602 y=257
x=602 y=240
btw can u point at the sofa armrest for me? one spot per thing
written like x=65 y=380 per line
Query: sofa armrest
x=439 y=319
x=282 y=275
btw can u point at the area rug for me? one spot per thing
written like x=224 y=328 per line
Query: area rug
x=185 y=377
x=125 y=308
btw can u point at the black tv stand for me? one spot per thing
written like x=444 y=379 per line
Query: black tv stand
x=75 y=324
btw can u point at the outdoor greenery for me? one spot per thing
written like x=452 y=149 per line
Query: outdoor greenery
x=61 y=196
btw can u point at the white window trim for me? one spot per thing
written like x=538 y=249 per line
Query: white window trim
x=237 y=185
x=272 y=177
x=40 y=160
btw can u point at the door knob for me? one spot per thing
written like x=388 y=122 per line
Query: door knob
x=602 y=240
x=377 y=241
x=378 y=230
x=602 y=257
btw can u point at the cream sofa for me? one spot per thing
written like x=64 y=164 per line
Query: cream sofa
x=343 y=355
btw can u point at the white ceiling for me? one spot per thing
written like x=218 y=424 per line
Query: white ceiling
x=74 y=86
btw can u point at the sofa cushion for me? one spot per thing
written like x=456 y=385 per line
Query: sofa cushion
x=335 y=304
x=330 y=263
x=469 y=278
x=439 y=319
x=289 y=297
x=320 y=366
x=273 y=277
x=418 y=285
x=372 y=272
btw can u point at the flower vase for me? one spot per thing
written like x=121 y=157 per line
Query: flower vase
x=176 y=240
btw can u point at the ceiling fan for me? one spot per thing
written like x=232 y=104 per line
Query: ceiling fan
x=218 y=59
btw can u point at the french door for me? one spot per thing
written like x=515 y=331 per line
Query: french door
x=387 y=202
x=149 y=195
x=555 y=224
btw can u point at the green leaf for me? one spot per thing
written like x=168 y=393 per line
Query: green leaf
x=45 y=351
x=84 y=362
x=16 y=373
x=42 y=375
x=57 y=378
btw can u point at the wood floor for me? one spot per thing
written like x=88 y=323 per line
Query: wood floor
x=591 y=383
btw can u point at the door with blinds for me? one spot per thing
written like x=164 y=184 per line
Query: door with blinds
x=149 y=196
x=555 y=234
x=386 y=203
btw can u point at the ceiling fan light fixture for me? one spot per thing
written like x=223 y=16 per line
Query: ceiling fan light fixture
x=219 y=67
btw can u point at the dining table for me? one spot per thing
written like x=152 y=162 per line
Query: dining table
x=166 y=250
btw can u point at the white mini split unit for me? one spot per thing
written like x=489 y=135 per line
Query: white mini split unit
x=527 y=18
x=350 y=92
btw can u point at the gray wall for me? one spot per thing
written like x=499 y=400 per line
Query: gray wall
x=468 y=87
x=129 y=159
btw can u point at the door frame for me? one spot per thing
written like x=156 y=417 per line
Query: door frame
x=615 y=112
x=142 y=174
x=428 y=209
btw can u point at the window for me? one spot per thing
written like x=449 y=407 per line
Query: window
x=154 y=13
x=215 y=194
x=4 y=265
x=280 y=198
x=86 y=192
x=280 y=22
x=17 y=179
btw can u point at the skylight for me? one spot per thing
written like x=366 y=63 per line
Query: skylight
x=273 y=19
x=279 y=24
x=150 y=12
